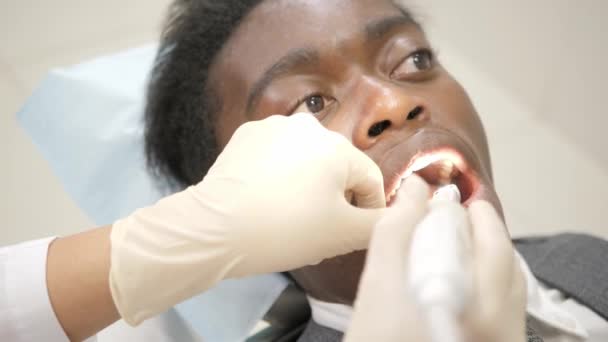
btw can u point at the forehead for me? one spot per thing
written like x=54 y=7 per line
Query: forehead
x=277 y=27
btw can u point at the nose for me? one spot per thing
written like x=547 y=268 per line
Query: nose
x=384 y=107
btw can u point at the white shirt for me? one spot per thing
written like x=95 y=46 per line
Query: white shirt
x=26 y=313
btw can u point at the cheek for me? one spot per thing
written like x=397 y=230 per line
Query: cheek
x=342 y=124
x=227 y=122
x=230 y=92
x=455 y=105
x=334 y=280
x=456 y=112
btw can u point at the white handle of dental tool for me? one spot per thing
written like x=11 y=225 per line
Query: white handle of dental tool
x=439 y=274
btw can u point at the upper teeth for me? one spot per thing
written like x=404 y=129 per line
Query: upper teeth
x=422 y=162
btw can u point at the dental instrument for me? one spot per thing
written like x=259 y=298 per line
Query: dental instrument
x=440 y=280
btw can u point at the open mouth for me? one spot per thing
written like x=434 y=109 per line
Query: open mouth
x=439 y=167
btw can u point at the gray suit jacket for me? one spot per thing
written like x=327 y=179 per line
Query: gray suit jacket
x=575 y=264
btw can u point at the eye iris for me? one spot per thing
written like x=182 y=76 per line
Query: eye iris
x=315 y=103
x=423 y=60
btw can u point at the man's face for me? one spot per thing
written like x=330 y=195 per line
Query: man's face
x=366 y=71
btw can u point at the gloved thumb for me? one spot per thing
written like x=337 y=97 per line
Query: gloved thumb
x=365 y=200
x=383 y=302
x=396 y=222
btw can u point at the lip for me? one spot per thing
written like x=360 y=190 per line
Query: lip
x=429 y=163
x=429 y=141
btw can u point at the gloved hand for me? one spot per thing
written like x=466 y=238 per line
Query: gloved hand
x=273 y=201
x=498 y=308
x=384 y=308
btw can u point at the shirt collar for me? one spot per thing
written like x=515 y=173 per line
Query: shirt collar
x=544 y=310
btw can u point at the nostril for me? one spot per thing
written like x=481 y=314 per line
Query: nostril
x=415 y=112
x=378 y=128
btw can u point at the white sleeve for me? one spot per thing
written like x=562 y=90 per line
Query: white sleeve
x=26 y=313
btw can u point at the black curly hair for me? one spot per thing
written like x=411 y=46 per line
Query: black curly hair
x=179 y=136
x=180 y=140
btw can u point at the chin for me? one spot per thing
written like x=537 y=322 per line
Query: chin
x=334 y=280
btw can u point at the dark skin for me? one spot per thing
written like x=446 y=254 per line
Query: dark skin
x=369 y=74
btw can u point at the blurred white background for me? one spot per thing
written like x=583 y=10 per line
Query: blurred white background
x=535 y=69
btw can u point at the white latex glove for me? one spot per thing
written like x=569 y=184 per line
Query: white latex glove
x=273 y=201
x=384 y=309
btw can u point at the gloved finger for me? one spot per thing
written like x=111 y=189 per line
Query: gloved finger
x=364 y=182
x=277 y=124
x=391 y=227
x=392 y=234
x=304 y=118
x=382 y=303
x=493 y=253
x=520 y=283
x=364 y=179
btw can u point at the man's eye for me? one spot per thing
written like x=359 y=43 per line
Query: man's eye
x=312 y=104
x=419 y=61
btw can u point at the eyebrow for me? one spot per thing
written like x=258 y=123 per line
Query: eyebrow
x=308 y=56
x=294 y=59
x=378 y=29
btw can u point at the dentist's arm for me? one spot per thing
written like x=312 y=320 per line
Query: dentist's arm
x=77 y=280
x=56 y=290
